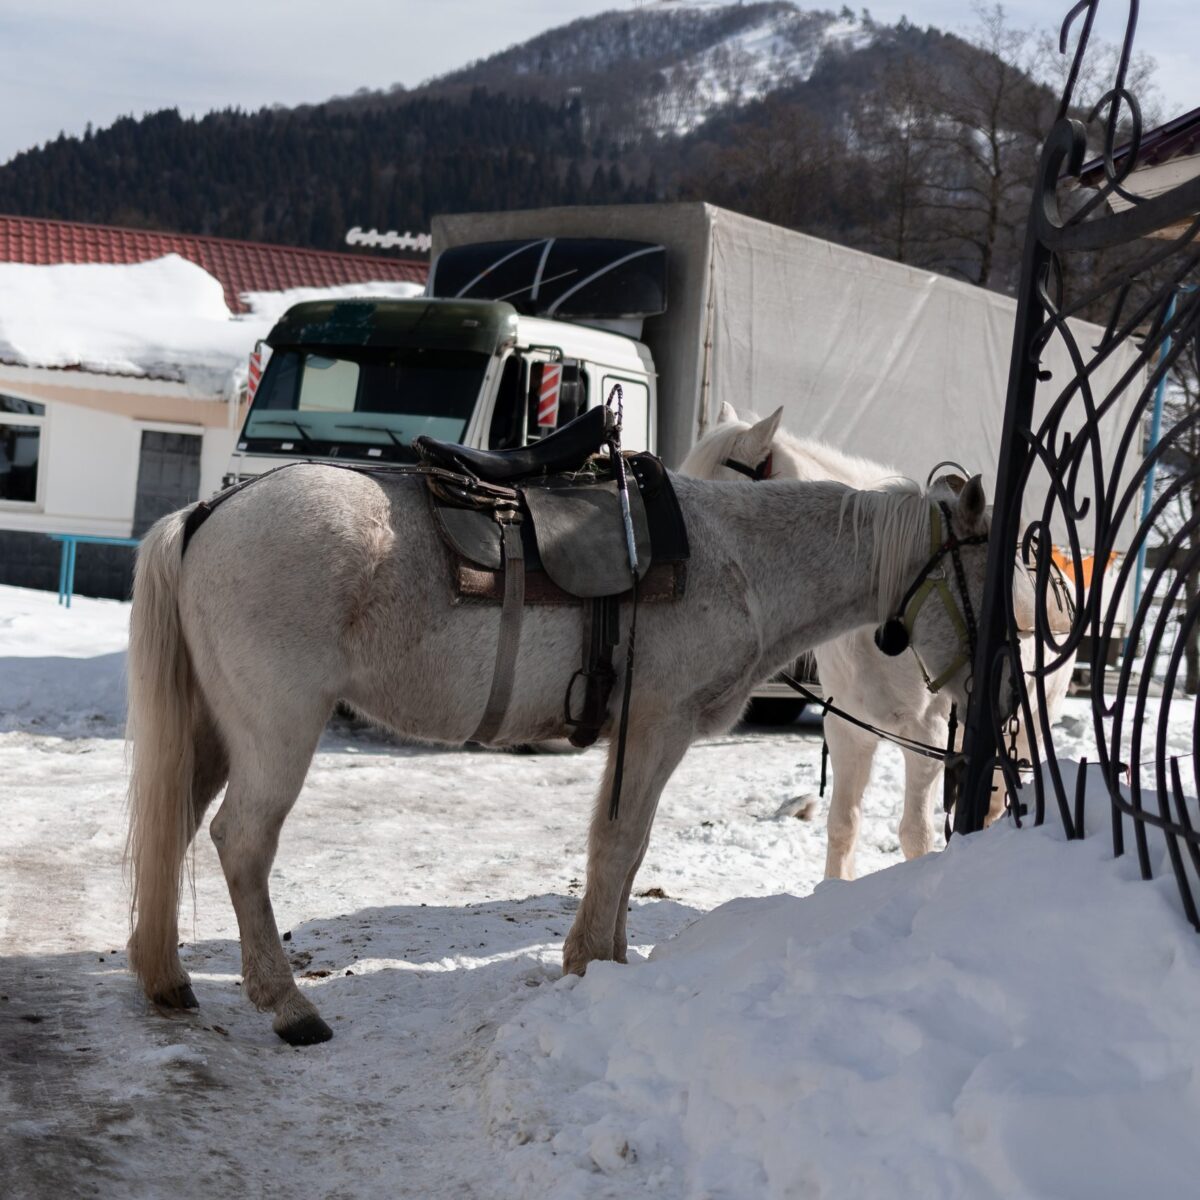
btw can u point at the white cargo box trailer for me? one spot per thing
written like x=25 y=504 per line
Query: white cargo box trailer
x=897 y=364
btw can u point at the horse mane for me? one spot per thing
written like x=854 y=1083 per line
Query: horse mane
x=711 y=451
x=899 y=522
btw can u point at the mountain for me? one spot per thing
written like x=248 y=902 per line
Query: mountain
x=666 y=67
x=828 y=122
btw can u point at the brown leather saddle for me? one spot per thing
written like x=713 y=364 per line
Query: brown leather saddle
x=544 y=524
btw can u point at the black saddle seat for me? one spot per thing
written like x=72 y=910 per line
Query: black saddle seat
x=566 y=449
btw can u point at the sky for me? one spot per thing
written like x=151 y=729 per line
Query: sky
x=65 y=63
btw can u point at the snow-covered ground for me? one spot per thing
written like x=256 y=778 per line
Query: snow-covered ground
x=1013 y=1017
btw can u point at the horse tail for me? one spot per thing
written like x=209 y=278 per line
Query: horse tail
x=162 y=704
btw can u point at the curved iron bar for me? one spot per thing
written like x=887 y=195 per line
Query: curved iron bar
x=1080 y=440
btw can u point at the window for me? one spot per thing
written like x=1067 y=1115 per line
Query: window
x=353 y=398
x=168 y=476
x=21 y=424
x=509 y=412
x=328 y=385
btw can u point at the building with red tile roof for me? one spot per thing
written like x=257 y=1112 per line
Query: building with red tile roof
x=240 y=266
x=95 y=450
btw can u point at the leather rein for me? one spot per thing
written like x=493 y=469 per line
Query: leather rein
x=894 y=636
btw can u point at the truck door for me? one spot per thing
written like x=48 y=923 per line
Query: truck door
x=635 y=402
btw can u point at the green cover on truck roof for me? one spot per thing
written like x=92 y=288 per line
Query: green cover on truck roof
x=480 y=325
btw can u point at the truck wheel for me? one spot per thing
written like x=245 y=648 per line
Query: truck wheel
x=774 y=710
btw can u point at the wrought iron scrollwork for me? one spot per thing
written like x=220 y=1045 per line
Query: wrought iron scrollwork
x=1081 y=439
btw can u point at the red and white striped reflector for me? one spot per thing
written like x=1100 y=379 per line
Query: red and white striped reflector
x=254 y=375
x=548 y=395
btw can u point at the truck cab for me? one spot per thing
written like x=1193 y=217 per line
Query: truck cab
x=358 y=380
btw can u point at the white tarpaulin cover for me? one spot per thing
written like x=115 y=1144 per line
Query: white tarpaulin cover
x=883 y=360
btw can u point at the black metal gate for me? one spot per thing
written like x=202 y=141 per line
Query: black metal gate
x=1135 y=272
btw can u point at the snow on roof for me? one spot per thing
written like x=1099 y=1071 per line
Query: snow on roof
x=163 y=319
x=241 y=266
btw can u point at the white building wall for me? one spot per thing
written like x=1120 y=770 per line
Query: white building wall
x=90 y=459
x=214 y=458
x=88 y=467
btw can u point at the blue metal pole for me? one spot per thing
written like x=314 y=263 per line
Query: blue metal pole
x=71 y=572
x=1148 y=485
x=62 y=572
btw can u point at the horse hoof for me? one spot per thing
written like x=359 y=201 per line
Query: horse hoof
x=308 y=1031
x=176 y=997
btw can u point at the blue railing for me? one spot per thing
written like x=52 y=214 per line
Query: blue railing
x=66 y=565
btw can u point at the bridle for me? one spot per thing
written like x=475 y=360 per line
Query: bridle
x=759 y=473
x=894 y=636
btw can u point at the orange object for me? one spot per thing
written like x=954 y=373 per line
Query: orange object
x=1066 y=564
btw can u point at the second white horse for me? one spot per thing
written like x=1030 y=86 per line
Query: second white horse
x=884 y=691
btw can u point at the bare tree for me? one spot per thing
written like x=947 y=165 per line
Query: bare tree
x=984 y=148
x=893 y=131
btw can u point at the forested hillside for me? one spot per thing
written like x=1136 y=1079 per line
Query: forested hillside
x=302 y=177
x=906 y=142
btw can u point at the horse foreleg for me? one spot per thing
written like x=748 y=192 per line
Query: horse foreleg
x=917 y=830
x=615 y=848
x=850 y=753
x=620 y=940
x=246 y=832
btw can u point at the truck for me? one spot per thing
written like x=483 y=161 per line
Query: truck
x=531 y=317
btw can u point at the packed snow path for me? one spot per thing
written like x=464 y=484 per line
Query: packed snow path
x=923 y=1033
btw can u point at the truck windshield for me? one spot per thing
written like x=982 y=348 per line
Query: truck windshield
x=363 y=401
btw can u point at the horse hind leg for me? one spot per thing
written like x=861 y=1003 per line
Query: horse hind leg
x=266 y=775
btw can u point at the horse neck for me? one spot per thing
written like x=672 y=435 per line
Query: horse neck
x=822 y=558
x=804 y=458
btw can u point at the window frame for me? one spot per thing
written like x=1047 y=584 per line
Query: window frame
x=37 y=504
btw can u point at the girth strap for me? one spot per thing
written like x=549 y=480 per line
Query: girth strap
x=509 y=518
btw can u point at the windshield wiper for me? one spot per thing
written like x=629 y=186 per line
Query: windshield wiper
x=375 y=429
x=295 y=424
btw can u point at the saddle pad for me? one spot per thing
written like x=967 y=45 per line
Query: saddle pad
x=664 y=582
x=581 y=540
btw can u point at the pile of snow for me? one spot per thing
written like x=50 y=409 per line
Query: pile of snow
x=270 y=306
x=1012 y=1017
x=62 y=670
x=165 y=318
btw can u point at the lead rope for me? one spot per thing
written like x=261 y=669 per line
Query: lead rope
x=898 y=739
x=614 y=447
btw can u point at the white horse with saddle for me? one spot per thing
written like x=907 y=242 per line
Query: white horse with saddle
x=316 y=585
x=862 y=672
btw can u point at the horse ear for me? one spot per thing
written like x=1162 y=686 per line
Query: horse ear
x=972 y=501
x=727 y=414
x=755 y=444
